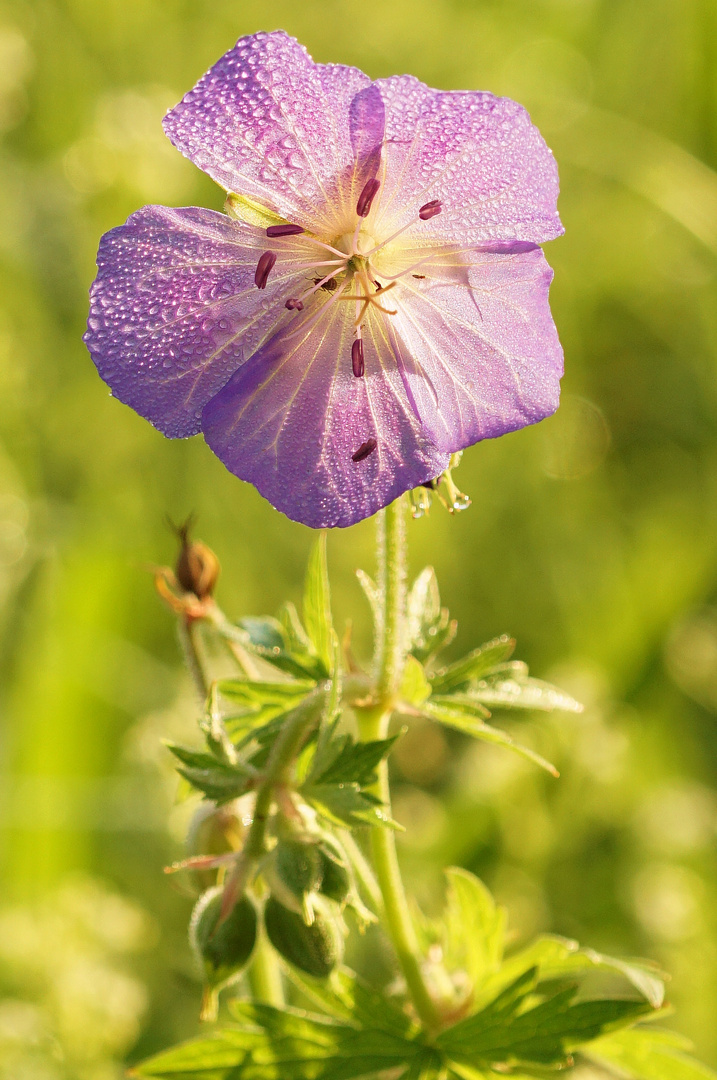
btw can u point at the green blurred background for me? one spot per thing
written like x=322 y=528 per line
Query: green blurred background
x=592 y=537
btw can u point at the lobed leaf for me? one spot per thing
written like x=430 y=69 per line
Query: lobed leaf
x=445 y=712
x=474 y=926
x=512 y=688
x=352 y=762
x=429 y=627
x=269 y=639
x=648 y=1053
x=557 y=957
x=506 y=1032
x=346 y=804
x=473 y=666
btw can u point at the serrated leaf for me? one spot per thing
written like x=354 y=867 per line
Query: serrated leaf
x=415 y=687
x=256 y=693
x=473 y=666
x=373 y=594
x=558 y=958
x=215 y=779
x=353 y=762
x=298 y=638
x=515 y=690
x=474 y=927
x=284 y=1044
x=470 y=725
x=545 y=1034
x=645 y=1053
x=429 y=626
x=268 y=638
x=347 y=804
x=317 y=604
x=348 y=998
x=423 y=607
x=463 y=704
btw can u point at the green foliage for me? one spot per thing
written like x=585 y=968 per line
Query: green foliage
x=317 y=605
x=223 y=947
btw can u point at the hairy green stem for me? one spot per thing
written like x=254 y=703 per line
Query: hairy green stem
x=374 y=725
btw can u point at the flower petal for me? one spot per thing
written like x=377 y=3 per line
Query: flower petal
x=174 y=310
x=477 y=347
x=478 y=154
x=268 y=123
x=293 y=419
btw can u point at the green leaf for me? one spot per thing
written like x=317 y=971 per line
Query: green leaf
x=269 y=639
x=346 y=997
x=453 y=717
x=474 y=927
x=317 y=604
x=505 y=1032
x=256 y=693
x=353 y=762
x=373 y=595
x=215 y=779
x=415 y=687
x=211 y=1058
x=429 y=627
x=646 y=1053
x=346 y=804
x=558 y=958
x=473 y=666
x=461 y=703
x=511 y=688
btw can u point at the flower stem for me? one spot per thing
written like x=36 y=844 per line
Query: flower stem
x=374 y=725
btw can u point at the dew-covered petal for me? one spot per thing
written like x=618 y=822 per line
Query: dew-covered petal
x=293 y=419
x=478 y=154
x=270 y=124
x=174 y=310
x=477 y=346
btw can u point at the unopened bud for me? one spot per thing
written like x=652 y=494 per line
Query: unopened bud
x=223 y=948
x=315 y=949
x=197 y=566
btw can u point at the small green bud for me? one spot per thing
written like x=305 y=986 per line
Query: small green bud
x=335 y=877
x=315 y=949
x=223 y=949
x=299 y=866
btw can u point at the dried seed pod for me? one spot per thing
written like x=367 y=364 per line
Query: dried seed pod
x=315 y=949
x=223 y=948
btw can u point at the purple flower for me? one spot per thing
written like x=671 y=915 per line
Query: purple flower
x=375 y=299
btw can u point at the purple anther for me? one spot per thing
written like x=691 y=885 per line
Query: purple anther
x=263 y=269
x=430 y=209
x=364 y=450
x=367 y=196
x=294 y=305
x=284 y=230
x=357 y=359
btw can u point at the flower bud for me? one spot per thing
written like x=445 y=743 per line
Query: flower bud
x=197 y=566
x=335 y=877
x=298 y=866
x=223 y=948
x=315 y=949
